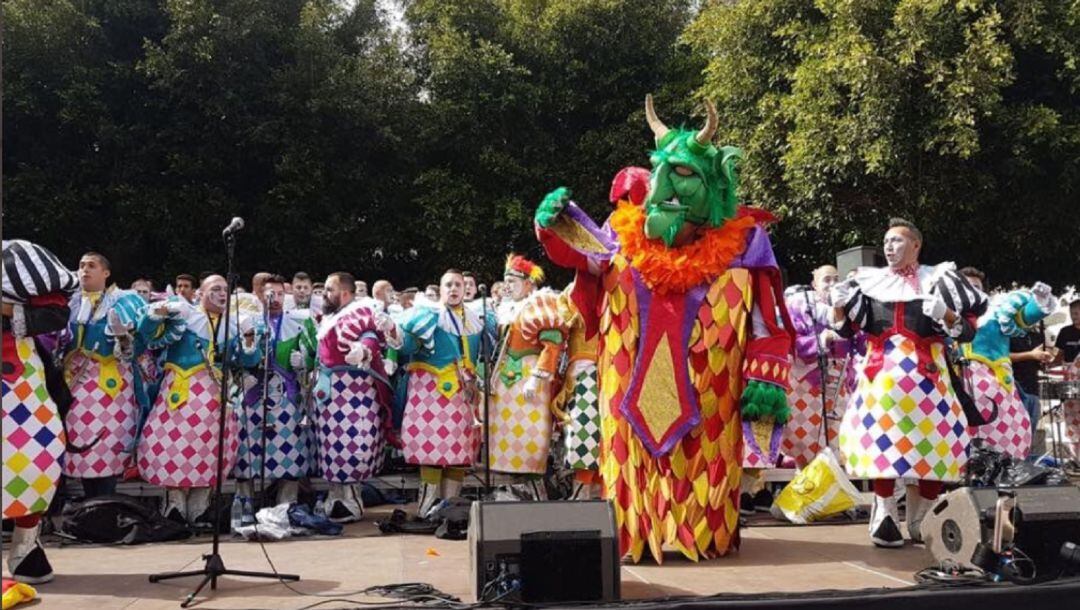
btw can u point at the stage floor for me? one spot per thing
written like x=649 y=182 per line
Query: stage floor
x=772 y=559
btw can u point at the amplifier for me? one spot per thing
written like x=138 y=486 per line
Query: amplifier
x=1040 y=520
x=543 y=551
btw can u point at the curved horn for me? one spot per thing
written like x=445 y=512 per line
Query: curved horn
x=658 y=128
x=705 y=136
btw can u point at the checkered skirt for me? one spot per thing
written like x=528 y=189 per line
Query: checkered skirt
x=436 y=430
x=520 y=430
x=902 y=423
x=349 y=428
x=289 y=445
x=583 y=431
x=802 y=439
x=1010 y=433
x=178 y=446
x=33 y=447
x=95 y=414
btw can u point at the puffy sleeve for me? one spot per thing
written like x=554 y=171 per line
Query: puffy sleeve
x=962 y=298
x=767 y=364
x=806 y=336
x=418 y=331
x=856 y=310
x=162 y=331
x=541 y=324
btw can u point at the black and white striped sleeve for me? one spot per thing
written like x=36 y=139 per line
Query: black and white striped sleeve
x=959 y=295
x=857 y=306
x=31 y=270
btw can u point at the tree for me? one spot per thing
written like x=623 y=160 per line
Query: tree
x=962 y=116
x=523 y=96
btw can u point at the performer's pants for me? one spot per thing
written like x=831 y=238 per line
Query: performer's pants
x=927 y=489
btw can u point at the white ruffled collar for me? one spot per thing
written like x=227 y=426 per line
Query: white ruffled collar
x=885 y=285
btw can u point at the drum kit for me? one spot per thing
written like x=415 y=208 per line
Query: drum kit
x=1058 y=392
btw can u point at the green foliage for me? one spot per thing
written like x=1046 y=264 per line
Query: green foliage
x=961 y=115
x=349 y=139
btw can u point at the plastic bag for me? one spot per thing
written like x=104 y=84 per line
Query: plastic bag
x=820 y=491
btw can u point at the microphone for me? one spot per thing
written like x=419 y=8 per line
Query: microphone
x=235 y=226
x=482 y=289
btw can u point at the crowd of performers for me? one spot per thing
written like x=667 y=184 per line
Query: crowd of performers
x=673 y=369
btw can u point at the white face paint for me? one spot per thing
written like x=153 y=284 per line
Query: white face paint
x=516 y=288
x=901 y=249
x=213 y=295
x=824 y=279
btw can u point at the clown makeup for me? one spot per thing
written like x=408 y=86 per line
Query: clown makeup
x=213 y=292
x=901 y=248
x=516 y=288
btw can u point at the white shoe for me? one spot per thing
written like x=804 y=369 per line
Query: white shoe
x=884 y=523
x=175 y=507
x=917 y=507
x=429 y=498
x=343 y=504
x=26 y=557
x=288 y=492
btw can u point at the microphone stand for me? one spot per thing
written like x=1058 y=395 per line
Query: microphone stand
x=265 y=426
x=485 y=355
x=215 y=566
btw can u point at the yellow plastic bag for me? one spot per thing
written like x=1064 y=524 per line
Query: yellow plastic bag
x=16 y=593
x=820 y=491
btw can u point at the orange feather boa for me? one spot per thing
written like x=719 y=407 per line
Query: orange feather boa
x=679 y=269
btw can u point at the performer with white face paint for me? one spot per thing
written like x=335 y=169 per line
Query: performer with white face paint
x=905 y=420
x=178 y=447
x=533 y=337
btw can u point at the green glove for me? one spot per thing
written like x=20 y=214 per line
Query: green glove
x=552 y=205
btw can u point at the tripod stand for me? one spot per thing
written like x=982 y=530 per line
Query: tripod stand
x=215 y=566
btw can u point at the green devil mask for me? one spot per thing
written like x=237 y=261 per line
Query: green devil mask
x=692 y=181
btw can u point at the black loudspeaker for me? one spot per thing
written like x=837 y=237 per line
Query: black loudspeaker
x=538 y=552
x=1042 y=520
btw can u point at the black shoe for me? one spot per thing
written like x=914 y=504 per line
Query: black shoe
x=763 y=501
x=339 y=513
x=34 y=569
x=746 y=504
x=887 y=534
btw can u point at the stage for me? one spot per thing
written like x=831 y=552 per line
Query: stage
x=772 y=559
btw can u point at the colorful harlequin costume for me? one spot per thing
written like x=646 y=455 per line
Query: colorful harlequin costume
x=520 y=412
x=804 y=434
x=290 y=446
x=438 y=431
x=904 y=420
x=990 y=373
x=579 y=396
x=352 y=404
x=36 y=290
x=104 y=384
x=178 y=445
x=690 y=304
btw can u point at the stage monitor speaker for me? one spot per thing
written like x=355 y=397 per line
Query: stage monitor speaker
x=1043 y=519
x=859 y=256
x=539 y=552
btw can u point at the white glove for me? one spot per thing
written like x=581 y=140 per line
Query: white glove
x=533 y=386
x=1043 y=296
x=359 y=356
x=934 y=307
x=840 y=294
x=389 y=366
x=383 y=323
x=117 y=328
x=297 y=361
